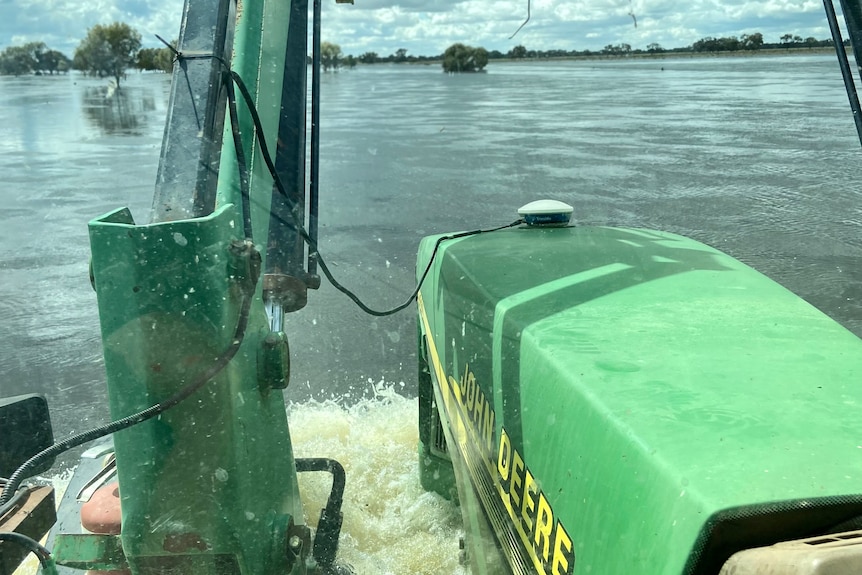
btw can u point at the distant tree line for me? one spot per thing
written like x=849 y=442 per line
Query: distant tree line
x=106 y=51
x=398 y=57
x=33 y=58
x=752 y=41
x=755 y=42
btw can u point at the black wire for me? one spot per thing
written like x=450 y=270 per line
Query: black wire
x=177 y=54
x=29 y=544
x=76 y=440
x=313 y=244
x=296 y=225
x=240 y=160
x=186 y=74
x=846 y=72
x=235 y=130
x=522 y=25
x=13 y=501
x=412 y=297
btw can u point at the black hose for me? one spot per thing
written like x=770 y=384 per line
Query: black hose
x=314 y=161
x=242 y=166
x=329 y=525
x=13 y=501
x=312 y=243
x=29 y=544
x=846 y=73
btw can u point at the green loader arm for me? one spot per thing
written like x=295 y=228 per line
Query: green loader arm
x=209 y=485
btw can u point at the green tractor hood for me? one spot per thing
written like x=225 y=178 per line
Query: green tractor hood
x=625 y=401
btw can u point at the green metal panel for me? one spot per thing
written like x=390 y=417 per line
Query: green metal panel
x=259 y=54
x=210 y=485
x=211 y=481
x=622 y=389
x=103 y=552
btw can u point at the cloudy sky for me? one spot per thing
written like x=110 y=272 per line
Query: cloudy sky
x=427 y=27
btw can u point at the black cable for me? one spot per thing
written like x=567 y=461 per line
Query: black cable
x=186 y=75
x=313 y=244
x=314 y=149
x=527 y=20
x=234 y=128
x=220 y=362
x=13 y=501
x=240 y=159
x=314 y=251
x=29 y=544
x=846 y=73
x=412 y=297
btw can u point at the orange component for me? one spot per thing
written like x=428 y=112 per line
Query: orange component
x=101 y=514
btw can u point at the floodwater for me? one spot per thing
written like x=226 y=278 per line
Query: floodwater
x=755 y=156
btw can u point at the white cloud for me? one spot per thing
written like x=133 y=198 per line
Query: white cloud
x=428 y=26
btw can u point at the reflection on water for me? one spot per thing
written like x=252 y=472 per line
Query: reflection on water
x=68 y=153
x=122 y=110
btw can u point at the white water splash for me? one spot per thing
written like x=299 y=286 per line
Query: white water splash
x=391 y=525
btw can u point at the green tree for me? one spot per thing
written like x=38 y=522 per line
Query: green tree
x=752 y=41
x=518 y=52
x=108 y=51
x=52 y=61
x=400 y=55
x=654 y=47
x=165 y=60
x=617 y=49
x=330 y=55
x=462 y=58
x=32 y=57
x=158 y=59
x=37 y=52
x=146 y=59
x=480 y=58
x=15 y=61
x=368 y=58
x=728 y=44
